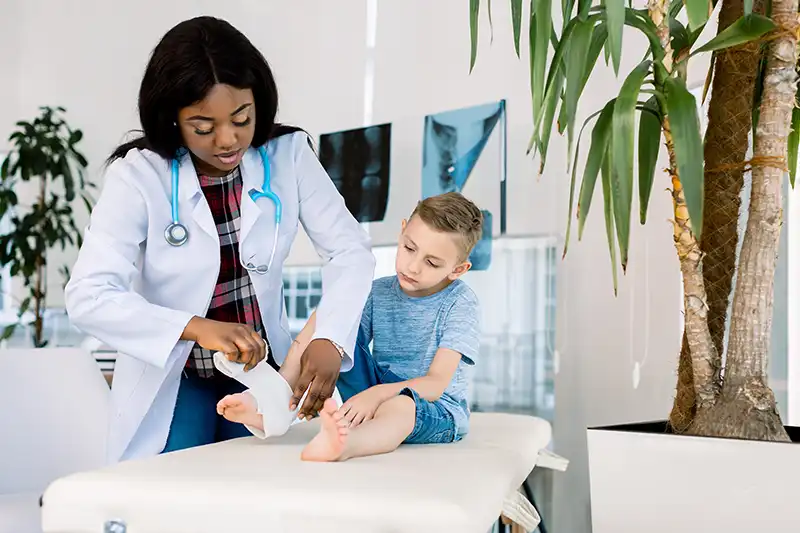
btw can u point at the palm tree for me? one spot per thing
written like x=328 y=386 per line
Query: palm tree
x=738 y=403
x=735 y=72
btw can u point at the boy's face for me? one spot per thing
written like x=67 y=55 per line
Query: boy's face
x=427 y=260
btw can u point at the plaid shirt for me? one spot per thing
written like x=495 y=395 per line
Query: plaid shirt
x=234 y=300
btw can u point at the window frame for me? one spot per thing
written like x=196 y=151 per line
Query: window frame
x=292 y=293
x=792 y=417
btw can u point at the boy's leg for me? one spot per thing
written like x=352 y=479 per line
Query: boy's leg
x=393 y=423
x=263 y=409
x=227 y=429
x=364 y=373
x=242 y=409
x=433 y=423
x=290 y=369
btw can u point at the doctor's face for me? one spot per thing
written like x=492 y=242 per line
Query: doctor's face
x=427 y=260
x=219 y=129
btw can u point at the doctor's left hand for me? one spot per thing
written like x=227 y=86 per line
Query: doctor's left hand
x=319 y=368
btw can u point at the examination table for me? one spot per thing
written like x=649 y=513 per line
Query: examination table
x=253 y=485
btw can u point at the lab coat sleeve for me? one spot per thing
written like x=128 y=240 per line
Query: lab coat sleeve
x=343 y=245
x=99 y=297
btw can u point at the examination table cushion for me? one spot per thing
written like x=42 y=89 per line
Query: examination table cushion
x=249 y=484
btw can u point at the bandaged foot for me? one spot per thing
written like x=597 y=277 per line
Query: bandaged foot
x=269 y=391
x=330 y=442
x=241 y=408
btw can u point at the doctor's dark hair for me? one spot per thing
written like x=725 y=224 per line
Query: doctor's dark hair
x=189 y=60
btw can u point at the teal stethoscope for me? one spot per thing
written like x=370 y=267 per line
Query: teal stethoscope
x=176 y=233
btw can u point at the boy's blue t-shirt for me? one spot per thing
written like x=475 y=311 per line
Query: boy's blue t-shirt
x=406 y=331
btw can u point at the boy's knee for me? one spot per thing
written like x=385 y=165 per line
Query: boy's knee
x=402 y=410
x=399 y=405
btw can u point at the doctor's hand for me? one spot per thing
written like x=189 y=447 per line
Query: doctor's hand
x=319 y=368
x=240 y=343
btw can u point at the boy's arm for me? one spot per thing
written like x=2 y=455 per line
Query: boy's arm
x=290 y=369
x=432 y=385
x=305 y=335
x=460 y=340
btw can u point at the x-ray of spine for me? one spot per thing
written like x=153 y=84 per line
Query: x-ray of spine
x=481 y=256
x=358 y=163
x=453 y=143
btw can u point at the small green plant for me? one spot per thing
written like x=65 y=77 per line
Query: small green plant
x=46 y=168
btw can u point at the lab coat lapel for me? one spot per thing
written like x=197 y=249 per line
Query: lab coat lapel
x=253 y=179
x=192 y=196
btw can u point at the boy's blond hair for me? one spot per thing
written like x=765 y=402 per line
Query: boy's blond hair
x=451 y=212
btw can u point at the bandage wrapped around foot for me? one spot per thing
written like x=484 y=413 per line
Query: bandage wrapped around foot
x=271 y=392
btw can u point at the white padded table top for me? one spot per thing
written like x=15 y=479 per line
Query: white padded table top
x=262 y=485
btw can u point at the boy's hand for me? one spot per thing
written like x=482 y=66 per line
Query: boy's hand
x=362 y=406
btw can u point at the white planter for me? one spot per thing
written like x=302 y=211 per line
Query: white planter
x=646 y=480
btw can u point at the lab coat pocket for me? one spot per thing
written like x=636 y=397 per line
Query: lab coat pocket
x=286 y=237
x=128 y=373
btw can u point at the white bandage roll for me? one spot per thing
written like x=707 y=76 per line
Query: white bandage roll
x=271 y=392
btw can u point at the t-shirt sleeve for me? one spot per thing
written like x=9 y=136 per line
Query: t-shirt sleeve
x=461 y=329
x=365 y=328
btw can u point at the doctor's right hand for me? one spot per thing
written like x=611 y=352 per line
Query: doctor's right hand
x=240 y=343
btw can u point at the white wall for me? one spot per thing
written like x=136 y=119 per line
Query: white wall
x=9 y=66
x=90 y=62
x=9 y=94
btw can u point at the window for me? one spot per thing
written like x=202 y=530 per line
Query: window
x=515 y=372
x=302 y=290
x=791 y=292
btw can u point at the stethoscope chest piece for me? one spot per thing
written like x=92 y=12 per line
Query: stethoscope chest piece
x=176 y=234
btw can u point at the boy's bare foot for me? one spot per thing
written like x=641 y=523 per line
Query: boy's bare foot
x=241 y=408
x=329 y=443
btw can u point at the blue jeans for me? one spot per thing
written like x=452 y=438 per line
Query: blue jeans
x=433 y=424
x=195 y=421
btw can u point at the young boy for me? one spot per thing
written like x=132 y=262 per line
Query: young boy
x=424 y=326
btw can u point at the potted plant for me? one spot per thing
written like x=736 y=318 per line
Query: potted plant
x=40 y=178
x=724 y=447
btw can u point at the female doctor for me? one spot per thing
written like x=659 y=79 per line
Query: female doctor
x=183 y=254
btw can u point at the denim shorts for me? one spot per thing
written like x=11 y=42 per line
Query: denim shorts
x=433 y=424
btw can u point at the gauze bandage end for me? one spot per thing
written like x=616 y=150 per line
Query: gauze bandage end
x=271 y=392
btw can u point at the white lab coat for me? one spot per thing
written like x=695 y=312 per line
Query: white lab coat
x=133 y=291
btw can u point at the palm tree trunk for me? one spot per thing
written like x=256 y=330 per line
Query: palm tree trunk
x=703 y=354
x=746 y=408
x=726 y=143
